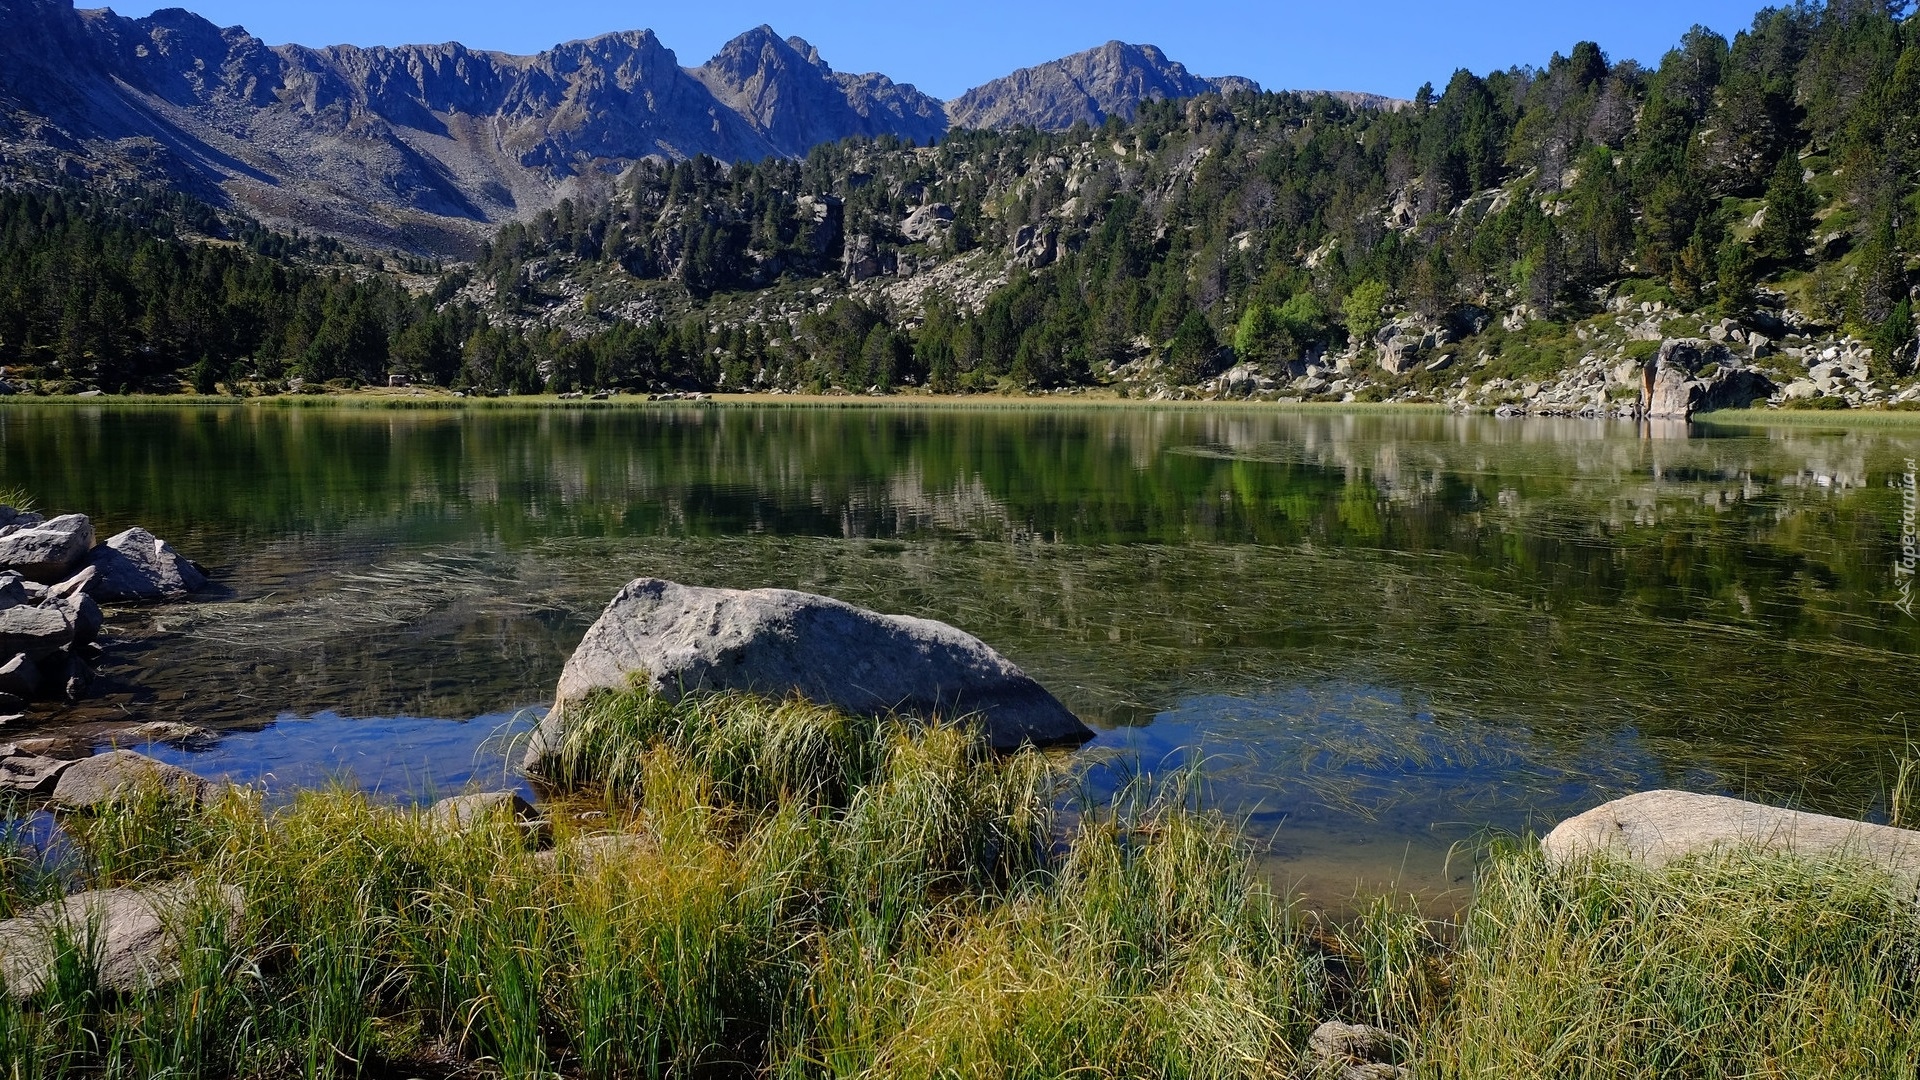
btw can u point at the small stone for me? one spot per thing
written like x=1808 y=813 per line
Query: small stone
x=588 y=854
x=162 y=731
x=463 y=812
x=136 y=565
x=79 y=678
x=50 y=552
x=1350 y=1044
x=85 y=615
x=81 y=582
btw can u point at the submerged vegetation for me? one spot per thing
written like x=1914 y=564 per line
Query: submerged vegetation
x=737 y=887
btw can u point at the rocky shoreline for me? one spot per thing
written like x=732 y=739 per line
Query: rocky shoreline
x=53 y=578
x=902 y=751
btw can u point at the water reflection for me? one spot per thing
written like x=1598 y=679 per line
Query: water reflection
x=1510 y=620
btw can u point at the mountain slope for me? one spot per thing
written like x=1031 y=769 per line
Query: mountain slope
x=430 y=147
x=1111 y=80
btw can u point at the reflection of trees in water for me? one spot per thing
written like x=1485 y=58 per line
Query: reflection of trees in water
x=1725 y=599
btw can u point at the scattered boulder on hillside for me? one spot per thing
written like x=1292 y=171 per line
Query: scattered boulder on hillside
x=1678 y=391
x=53 y=577
x=677 y=639
x=134 y=934
x=1655 y=828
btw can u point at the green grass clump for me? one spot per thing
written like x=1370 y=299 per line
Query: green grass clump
x=747 y=888
x=1743 y=966
x=769 y=888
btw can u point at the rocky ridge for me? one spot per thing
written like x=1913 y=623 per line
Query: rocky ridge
x=427 y=147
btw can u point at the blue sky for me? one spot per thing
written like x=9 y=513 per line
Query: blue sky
x=1386 y=46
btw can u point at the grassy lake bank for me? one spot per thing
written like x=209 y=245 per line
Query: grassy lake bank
x=737 y=887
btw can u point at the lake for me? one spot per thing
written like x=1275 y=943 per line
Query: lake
x=1382 y=637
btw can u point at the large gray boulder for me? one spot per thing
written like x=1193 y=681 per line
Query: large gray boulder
x=1655 y=828
x=91 y=783
x=137 y=565
x=1675 y=392
x=135 y=934
x=49 y=552
x=677 y=639
x=35 y=632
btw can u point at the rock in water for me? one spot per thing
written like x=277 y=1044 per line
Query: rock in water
x=676 y=639
x=134 y=934
x=28 y=774
x=20 y=677
x=48 y=553
x=1655 y=828
x=96 y=781
x=137 y=565
x=36 y=632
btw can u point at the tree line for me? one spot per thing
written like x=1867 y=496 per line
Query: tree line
x=1777 y=167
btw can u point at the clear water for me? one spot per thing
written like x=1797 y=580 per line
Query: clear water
x=1383 y=635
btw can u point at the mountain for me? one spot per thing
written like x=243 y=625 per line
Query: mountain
x=1111 y=80
x=794 y=101
x=430 y=147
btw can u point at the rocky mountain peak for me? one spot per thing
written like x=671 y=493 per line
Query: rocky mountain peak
x=794 y=99
x=1109 y=80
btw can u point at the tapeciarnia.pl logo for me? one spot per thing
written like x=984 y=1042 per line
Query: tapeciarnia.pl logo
x=1903 y=571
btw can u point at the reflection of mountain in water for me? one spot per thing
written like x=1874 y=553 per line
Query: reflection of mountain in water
x=1723 y=603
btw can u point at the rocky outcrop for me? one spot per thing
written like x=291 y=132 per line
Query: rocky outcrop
x=1086 y=87
x=676 y=639
x=134 y=935
x=1655 y=828
x=1676 y=391
x=49 y=632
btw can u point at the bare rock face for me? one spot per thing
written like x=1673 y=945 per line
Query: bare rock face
x=49 y=552
x=1677 y=392
x=677 y=639
x=137 y=565
x=1655 y=828
x=134 y=933
x=793 y=100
